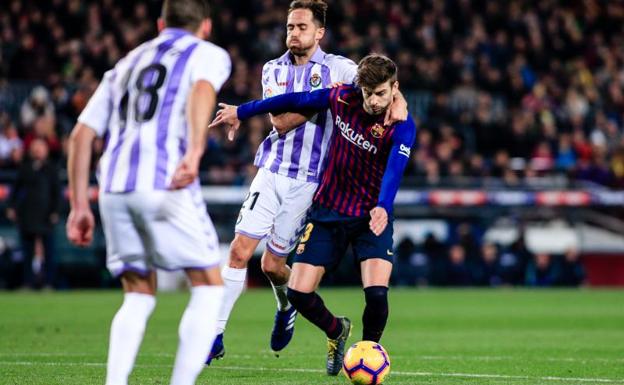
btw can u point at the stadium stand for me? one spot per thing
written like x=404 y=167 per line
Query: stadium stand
x=508 y=95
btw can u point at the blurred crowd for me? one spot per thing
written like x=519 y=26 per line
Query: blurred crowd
x=517 y=91
x=468 y=260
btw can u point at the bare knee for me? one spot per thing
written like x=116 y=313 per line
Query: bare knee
x=139 y=283
x=202 y=277
x=241 y=251
x=271 y=263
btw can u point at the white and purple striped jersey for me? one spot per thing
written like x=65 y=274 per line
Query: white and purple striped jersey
x=301 y=153
x=140 y=109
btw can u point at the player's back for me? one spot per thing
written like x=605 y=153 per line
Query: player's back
x=147 y=130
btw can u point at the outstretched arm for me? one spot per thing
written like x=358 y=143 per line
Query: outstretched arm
x=297 y=101
x=287 y=121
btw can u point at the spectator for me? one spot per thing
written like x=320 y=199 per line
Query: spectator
x=541 y=272
x=487 y=269
x=458 y=272
x=436 y=255
x=511 y=76
x=34 y=206
x=38 y=105
x=11 y=146
x=571 y=271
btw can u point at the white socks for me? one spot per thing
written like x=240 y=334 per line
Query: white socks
x=281 y=297
x=234 y=280
x=197 y=333
x=126 y=335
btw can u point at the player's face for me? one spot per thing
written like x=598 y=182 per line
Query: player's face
x=378 y=99
x=302 y=34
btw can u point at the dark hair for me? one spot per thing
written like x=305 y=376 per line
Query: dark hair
x=374 y=70
x=317 y=7
x=186 y=14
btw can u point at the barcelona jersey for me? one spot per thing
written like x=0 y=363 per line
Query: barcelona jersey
x=366 y=159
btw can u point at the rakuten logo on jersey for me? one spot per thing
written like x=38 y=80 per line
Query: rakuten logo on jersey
x=353 y=137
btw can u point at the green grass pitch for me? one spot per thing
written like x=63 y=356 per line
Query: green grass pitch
x=433 y=337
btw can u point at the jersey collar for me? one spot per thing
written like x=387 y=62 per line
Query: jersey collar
x=317 y=57
x=175 y=31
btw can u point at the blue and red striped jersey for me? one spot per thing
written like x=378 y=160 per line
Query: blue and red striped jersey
x=358 y=154
x=365 y=159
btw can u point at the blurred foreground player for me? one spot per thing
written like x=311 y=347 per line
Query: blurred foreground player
x=354 y=203
x=153 y=108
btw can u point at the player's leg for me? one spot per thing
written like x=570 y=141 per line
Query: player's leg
x=296 y=198
x=255 y=221
x=304 y=281
x=277 y=271
x=375 y=255
x=129 y=323
x=275 y=268
x=315 y=253
x=234 y=274
x=375 y=279
x=181 y=216
x=126 y=258
x=197 y=328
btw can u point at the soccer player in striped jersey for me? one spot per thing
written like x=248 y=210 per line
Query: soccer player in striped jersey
x=353 y=205
x=290 y=167
x=153 y=109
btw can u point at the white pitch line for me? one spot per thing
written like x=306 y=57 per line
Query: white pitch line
x=422 y=357
x=514 y=358
x=302 y=370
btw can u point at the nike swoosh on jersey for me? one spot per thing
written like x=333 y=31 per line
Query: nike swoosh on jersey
x=389 y=252
x=342 y=101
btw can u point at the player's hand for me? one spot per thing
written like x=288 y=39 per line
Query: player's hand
x=186 y=172
x=335 y=84
x=397 y=112
x=228 y=116
x=80 y=224
x=379 y=220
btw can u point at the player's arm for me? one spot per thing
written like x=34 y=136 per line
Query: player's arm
x=80 y=222
x=397 y=111
x=92 y=122
x=206 y=81
x=199 y=109
x=287 y=121
x=296 y=101
x=403 y=140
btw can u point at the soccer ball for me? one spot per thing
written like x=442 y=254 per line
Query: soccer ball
x=366 y=363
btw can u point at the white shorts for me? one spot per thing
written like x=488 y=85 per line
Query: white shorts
x=276 y=207
x=170 y=230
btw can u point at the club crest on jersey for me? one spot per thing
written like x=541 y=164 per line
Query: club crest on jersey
x=377 y=130
x=315 y=80
x=268 y=93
